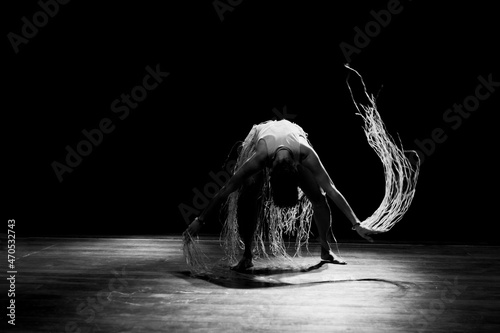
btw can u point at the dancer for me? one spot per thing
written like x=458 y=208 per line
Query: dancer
x=279 y=153
x=279 y=182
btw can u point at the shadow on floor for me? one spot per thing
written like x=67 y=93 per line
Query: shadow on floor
x=272 y=277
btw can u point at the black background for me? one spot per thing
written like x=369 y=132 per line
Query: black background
x=224 y=77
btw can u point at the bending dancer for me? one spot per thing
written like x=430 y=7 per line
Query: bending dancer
x=281 y=150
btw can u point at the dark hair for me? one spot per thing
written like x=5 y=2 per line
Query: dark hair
x=284 y=182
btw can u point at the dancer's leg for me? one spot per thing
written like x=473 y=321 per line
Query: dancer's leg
x=321 y=215
x=249 y=205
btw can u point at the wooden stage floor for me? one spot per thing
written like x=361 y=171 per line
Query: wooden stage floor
x=143 y=285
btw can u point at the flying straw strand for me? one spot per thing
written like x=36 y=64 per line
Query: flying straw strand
x=400 y=175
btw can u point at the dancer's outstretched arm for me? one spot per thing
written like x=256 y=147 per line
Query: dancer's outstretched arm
x=313 y=163
x=253 y=165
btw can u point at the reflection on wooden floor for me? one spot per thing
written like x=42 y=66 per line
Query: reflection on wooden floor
x=144 y=285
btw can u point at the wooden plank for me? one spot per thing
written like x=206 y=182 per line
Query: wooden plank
x=142 y=285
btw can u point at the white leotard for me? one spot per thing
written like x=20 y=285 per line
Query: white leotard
x=281 y=134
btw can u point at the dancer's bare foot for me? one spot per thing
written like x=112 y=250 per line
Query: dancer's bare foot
x=244 y=264
x=328 y=256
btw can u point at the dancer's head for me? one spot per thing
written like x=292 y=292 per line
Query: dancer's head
x=284 y=179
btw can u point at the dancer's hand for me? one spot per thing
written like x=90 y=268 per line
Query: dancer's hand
x=195 y=227
x=364 y=232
